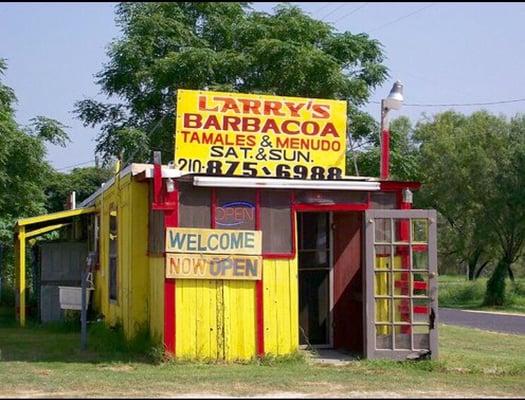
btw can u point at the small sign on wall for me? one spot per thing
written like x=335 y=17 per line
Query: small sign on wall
x=213 y=241
x=206 y=266
x=194 y=253
x=235 y=213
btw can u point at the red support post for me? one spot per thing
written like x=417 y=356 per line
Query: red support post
x=385 y=154
x=171 y=220
x=168 y=203
x=259 y=287
x=404 y=234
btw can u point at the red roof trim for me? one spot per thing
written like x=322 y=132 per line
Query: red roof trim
x=398 y=185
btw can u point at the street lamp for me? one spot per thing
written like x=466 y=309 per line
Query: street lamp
x=393 y=101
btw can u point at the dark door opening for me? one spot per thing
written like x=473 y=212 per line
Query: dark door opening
x=314 y=278
x=330 y=280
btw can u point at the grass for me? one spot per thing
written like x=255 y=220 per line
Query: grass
x=458 y=292
x=46 y=361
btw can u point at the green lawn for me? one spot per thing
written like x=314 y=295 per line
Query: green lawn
x=46 y=361
x=458 y=292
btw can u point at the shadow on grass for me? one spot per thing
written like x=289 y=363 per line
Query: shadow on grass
x=60 y=342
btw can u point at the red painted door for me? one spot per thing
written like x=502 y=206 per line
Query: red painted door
x=348 y=294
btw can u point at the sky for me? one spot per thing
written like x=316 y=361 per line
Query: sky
x=444 y=53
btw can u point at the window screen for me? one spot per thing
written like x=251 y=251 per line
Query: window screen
x=330 y=197
x=155 y=228
x=276 y=222
x=235 y=209
x=194 y=206
x=384 y=200
x=93 y=232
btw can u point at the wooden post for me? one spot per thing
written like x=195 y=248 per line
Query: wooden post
x=83 y=312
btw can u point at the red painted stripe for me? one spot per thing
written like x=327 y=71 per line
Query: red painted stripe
x=171 y=219
x=257 y=209
x=389 y=186
x=259 y=287
x=157 y=183
x=331 y=207
x=292 y=217
x=259 y=310
x=275 y=256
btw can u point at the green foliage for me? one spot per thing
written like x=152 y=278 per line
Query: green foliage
x=403 y=151
x=495 y=294
x=111 y=340
x=297 y=357
x=219 y=46
x=472 y=173
x=461 y=293
x=84 y=181
x=23 y=171
x=49 y=130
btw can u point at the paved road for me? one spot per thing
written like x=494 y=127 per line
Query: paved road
x=483 y=320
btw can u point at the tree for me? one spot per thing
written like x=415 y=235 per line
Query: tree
x=84 y=181
x=403 y=151
x=23 y=169
x=218 y=46
x=472 y=173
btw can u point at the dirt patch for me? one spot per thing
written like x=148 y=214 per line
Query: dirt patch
x=117 y=368
x=43 y=372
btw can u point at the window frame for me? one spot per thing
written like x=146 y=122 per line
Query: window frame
x=113 y=254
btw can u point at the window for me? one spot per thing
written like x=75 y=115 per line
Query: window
x=276 y=222
x=194 y=206
x=383 y=200
x=235 y=209
x=330 y=197
x=113 y=252
x=155 y=228
x=94 y=237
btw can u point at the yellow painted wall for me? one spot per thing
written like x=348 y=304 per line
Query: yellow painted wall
x=132 y=306
x=217 y=320
x=281 y=306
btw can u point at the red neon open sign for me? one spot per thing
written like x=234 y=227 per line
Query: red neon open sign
x=235 y=213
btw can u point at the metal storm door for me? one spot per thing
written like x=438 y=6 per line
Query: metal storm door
x=400 y=284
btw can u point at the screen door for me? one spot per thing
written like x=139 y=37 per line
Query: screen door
x=400 y=284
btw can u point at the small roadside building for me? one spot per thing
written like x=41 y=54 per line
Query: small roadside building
x=254 y=242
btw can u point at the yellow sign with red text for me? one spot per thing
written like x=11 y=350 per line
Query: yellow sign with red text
x=236 y=134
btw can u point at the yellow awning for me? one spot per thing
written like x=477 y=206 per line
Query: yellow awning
x=39 y=225
x=55 y=216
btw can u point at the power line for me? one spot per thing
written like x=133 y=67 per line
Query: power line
x=320 y=8
x=402 y=17
x=349 y=13
x=488 y=103
x=334 y=10
x=75 y=165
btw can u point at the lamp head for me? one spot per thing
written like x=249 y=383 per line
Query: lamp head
x=395 y=98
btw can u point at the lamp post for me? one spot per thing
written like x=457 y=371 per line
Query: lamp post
x=393 y=101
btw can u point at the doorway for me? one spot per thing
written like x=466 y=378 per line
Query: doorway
x=330 y=280
x=315 y=279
